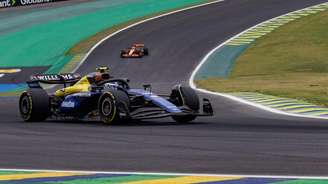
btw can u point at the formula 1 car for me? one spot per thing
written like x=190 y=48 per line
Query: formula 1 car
x=99 y=94
x=137 y=50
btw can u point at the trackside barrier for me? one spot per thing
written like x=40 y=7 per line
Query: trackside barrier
x=14 y=3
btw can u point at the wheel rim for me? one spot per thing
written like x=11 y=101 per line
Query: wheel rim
x=106 y=107
x=25 y=105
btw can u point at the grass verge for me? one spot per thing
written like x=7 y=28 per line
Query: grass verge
x=291 y=62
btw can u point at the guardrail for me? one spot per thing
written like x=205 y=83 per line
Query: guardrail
x=14 y=3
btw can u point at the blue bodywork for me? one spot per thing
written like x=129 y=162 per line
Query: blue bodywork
x=157 y=100
x=80 y=104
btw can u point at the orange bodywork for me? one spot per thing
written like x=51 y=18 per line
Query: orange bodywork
x=134 y=51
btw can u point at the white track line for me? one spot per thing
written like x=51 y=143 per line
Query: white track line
x=192 y=84
x=170 y=174
x=138 y=23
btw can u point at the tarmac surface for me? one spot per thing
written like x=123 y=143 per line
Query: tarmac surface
x=238 y=140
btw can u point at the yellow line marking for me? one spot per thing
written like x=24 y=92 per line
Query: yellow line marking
x=278 y=101
x=253 y=34
x=277 y=20
x=263 y=100
x=243 y=40
x=236 y=44
x=310 y=109
x=268 y=25
x=186 y=180
x=320 y=6
x=286 y=18
x=293 y=16
x=37 y=175
x=250 y=37
x=239 y=43
x=266 y=32
x=319 y=113
x=295 y=106
x=284 y=104
x=318 y=9
x=276 y=24
x=309 y=11
x=264 y=29
x=7 y=71
x=302 y=14
x=282 y=22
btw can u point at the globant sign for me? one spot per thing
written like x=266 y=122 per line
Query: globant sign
x=28 y=2
x=6 y=3
x=12 y=3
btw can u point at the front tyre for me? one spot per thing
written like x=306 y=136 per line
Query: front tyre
x=187 y=97
x=34 y=105
x=146 y=51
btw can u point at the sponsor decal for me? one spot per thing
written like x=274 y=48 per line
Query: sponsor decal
x=55 y=77
x=3 y=72
x=69 y=104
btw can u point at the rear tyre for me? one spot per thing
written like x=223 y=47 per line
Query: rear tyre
x=122 y=54
x=111 y=104
x=185 y=96
x=34 y=105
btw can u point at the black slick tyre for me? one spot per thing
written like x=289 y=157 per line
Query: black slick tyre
x=185 y=96
x=110 y=105
x=34 y=105
x=122 y=54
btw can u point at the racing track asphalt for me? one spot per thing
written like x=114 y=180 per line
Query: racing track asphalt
x=238 y=140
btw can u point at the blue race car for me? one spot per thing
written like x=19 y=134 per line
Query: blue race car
x=99 y=94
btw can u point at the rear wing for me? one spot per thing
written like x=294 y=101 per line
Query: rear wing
x=139 y=45
x=68 y=78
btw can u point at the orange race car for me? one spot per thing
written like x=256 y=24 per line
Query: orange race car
x=137 y=50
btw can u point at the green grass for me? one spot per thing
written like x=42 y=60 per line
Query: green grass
x=292 y=62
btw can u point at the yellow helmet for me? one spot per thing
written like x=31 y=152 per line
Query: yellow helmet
x=103 y=69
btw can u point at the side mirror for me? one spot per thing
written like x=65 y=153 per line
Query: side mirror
x=147 y=87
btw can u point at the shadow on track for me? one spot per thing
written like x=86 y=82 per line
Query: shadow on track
x=125 y=124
